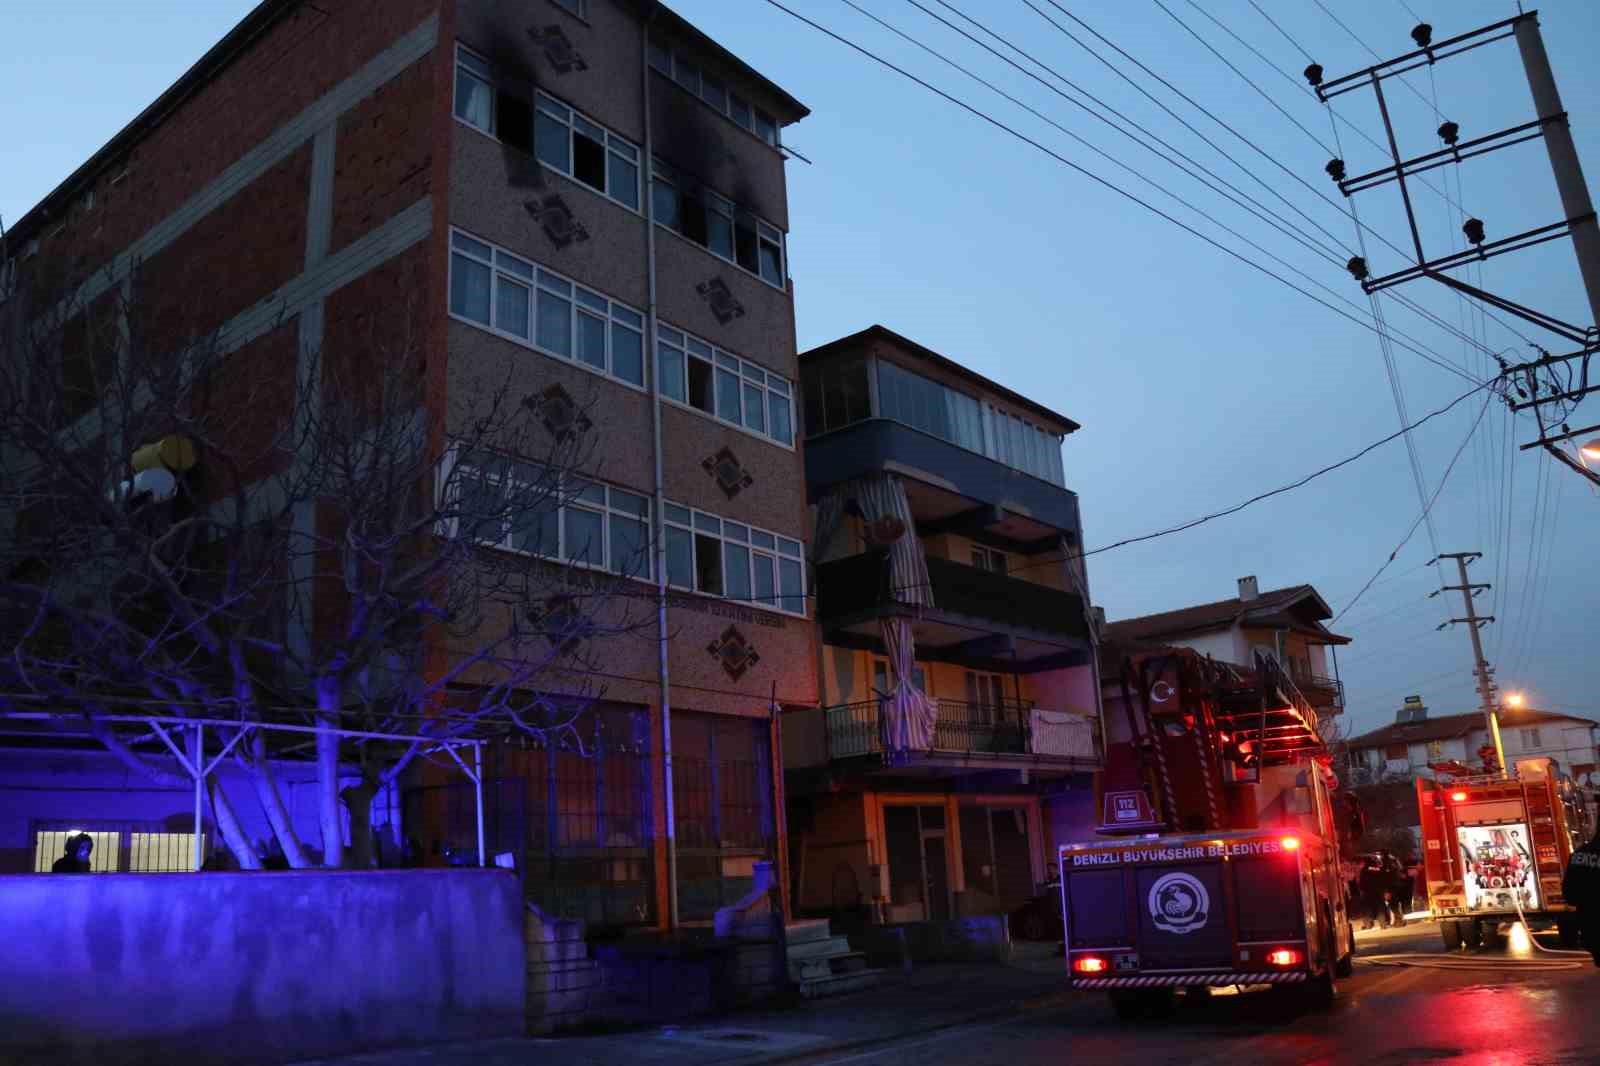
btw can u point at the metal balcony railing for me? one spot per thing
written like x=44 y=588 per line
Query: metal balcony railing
x=1320 y=691
x=962 y=728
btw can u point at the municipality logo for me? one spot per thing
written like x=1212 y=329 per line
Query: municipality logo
x=1178 y=903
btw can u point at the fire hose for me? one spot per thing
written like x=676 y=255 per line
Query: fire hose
x=1497 y=962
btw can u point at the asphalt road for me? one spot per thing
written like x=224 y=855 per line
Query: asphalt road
x=1383 y=1016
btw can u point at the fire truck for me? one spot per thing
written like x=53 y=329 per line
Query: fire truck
x=1217 y=862
x=1494 y=846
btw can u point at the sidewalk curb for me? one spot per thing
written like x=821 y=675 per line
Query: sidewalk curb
x=1015 y=1007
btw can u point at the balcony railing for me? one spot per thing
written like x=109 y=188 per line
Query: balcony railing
x=966 y=728
x=1318 y=690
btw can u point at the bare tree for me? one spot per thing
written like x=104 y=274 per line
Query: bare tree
x=196 y=525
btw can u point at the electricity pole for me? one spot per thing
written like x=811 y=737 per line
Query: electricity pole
x=1536 y=382
x=1481 y=667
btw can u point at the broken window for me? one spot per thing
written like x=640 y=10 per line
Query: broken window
x=721 y=384
x=514 y=120
x=707 y=565
x=700 y=385
x=589 y=153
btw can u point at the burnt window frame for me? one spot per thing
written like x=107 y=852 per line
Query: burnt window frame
x=690 y=197
x=615 y=149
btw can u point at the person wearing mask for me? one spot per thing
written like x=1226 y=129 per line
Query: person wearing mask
x=1581 y=888
x=75 y=857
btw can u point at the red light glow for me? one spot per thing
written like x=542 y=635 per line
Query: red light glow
x=1089 y=964
x=1459 y=797
x=1283 y=957
x=1290 y=843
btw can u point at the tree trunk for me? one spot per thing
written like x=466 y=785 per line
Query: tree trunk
x=358 y=800
x=266 y=783
x=328 y=806
x=233 y=834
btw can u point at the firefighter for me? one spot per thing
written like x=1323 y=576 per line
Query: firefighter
x=1581 y=887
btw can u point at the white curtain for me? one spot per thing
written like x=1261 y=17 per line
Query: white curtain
x=906 y=715
x=1061 y=733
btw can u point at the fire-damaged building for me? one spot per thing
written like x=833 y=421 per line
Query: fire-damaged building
x=584 y=200
x=957 y=730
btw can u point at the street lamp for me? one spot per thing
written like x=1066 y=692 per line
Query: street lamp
x=1591 y=450
x=1513 y=699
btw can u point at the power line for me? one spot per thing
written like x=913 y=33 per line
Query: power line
x=1079 y=168
x=1443 y=480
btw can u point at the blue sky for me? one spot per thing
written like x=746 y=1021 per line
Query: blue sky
x=1198 y=380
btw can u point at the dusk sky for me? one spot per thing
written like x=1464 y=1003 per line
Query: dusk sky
x=1199 y=380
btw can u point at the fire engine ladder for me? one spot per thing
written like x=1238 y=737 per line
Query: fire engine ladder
x=1269 y=718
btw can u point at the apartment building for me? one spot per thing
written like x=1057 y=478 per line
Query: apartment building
x=586 y=200
x=957 y=726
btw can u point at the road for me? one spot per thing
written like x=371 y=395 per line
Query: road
x=1383 y=1016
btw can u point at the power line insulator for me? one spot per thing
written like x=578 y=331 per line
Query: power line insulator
x=1450 y=133
x=1335 y=169
x=1357 y=267
x=1473 y=228
x=1314 y=74
x=1422 y=33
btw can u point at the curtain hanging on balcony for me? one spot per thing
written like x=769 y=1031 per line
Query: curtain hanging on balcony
x=906 y=715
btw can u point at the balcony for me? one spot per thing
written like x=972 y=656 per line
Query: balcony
x=1326 y=694
x=980 y=618
x=1012 y=730
x=945 y=482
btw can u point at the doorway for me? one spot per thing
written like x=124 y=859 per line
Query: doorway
x=919 y=876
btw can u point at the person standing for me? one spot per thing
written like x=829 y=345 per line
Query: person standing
x=1581 y=888
x=75 y=857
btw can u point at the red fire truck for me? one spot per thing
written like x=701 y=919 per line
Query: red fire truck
x=1495 y=843
x=1219 y=862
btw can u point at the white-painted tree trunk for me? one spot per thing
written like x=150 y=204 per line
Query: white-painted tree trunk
x=265 y=780
x=328 y=805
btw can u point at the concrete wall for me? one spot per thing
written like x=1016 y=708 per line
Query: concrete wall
x=255 y=967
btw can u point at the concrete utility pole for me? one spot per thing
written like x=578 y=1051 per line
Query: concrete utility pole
x=1480 y=666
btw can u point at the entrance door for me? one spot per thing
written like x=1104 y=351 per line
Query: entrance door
x=936 y=876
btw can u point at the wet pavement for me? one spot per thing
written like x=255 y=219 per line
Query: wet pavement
x=1392 y=1012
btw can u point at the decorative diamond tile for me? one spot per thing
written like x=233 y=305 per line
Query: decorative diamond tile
x=731 y=476
x=561 y=621
x=557 y=219
x=558 y=49
x=558 y=412
x=735 y=653
x=724 y=304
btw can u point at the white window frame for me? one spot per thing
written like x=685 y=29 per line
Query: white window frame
x=990 y=554
x=570 y=493
x=775 y=389
x=480 y=69
x=733 y=107
x=664 y=173
x=578 y=9
x=757 y=543
x=506 y=267
x=1531 y=739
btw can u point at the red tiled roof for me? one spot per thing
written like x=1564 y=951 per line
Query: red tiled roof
x=1222 y=615
x=1451 y=726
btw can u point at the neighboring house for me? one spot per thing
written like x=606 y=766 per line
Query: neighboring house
x=957 y=732
x=592 y=194
x=1285 y=624
x=1415 y=742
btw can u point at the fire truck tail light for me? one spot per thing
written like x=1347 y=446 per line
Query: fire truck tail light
x=1283 y=957
x=1290 y=843
x=1458 y=797
x=1089 y=964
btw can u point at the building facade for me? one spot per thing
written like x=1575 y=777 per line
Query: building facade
x=1415 y=743
x=1286 y=625
x=586 y=201
x=957 y=730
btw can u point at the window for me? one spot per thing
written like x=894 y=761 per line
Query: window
x=988 y=559
x=724 y=386
x=724 y=558
x=521 y=507
x=837 y=394
x=561 y=138
x=1435 y=750
x=513 y=296
x=579 y=8
x=714 y=92
x=986 y=694
x=717 y=224
x=1530 y=740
